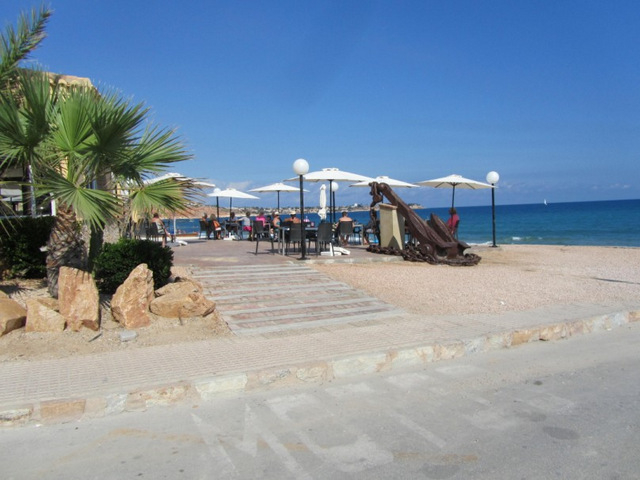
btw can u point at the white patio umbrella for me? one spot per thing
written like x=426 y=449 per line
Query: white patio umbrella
x=229 y=193
x=333 y=175
x=389 y=181
x=179 y=177
x=322 y=213
x=454 y=181
x=276 y=187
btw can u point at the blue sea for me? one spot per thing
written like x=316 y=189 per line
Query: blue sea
x=601 y=223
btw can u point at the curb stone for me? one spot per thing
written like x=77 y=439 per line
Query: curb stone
x=52 y=411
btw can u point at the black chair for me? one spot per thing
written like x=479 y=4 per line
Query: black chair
x=324 y=236
x=152 y=232
x=140 y=228
x=259 y=232
x=345 y=230
x=294 y=236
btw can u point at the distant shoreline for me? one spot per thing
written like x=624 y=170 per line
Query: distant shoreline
x=198 y=211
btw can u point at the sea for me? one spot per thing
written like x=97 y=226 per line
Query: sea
x=597 y=223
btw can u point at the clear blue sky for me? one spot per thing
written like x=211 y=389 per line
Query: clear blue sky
x=547 y=93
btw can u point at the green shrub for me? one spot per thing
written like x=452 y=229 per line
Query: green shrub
x=20 y=241
x=116 y=261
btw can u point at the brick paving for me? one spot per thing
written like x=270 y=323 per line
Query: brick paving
x=292 y=325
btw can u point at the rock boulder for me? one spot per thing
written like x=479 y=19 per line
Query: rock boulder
x=43 y=315
x=12 y=315
x=183 y=299
x=130 y=304
x=78 y=299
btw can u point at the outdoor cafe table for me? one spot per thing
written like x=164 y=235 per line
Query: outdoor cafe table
x=309 y=232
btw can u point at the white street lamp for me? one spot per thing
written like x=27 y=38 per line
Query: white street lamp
x=492 y=178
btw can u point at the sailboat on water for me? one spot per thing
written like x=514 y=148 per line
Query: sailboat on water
x=545 y=201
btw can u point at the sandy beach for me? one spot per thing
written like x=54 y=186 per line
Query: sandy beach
x=509 y=278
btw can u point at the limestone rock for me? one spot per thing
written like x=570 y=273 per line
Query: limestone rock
x=130 y=304
x=43 y=315
x=182 y=299
x=184 y=286
x=78 y=299
x=12 y=315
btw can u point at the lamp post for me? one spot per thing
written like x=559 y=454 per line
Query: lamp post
x=492 y=178
x=301 y=167
x=334 y=187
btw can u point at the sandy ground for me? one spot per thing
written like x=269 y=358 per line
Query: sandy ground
x=509 y=278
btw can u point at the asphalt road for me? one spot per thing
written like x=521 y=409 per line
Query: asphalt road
x=568 y=409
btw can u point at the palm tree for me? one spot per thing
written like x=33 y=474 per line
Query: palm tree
x=97 y=137
x=90 y=152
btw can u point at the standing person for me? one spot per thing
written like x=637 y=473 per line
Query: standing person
x=371 y=228
x=453 y=221
x=162 y=231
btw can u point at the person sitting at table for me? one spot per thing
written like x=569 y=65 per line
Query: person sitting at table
x=275 y=224
x=232 y=224
x=216 y=228
x=261 y=218
x=293 y=218
x=206 y=223
x=344 y=239
x=245 y=221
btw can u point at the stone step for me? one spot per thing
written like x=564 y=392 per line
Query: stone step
x=303 y=307
x=274 y=298
x=260 y=328
x=277 y=290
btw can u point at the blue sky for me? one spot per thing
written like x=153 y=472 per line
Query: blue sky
x=547 y=93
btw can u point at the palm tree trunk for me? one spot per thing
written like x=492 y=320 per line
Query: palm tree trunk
x=65 y=247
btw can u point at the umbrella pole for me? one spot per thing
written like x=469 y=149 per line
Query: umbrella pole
x=218 y=207
x=330 y=203
x=453 y=196
x=278 y=200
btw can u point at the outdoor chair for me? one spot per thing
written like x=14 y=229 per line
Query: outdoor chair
x=345 y=231
x=140 y=229
x=204 y=230
x=259 y=232
x=294 y=236
x=324 y=236
x=152 y=232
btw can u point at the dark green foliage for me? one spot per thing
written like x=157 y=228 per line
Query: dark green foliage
x=117 y=260
x=20 y=242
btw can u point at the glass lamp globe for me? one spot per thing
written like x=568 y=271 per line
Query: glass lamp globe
x=493 y=177
x=334 y=186
x=301 y=166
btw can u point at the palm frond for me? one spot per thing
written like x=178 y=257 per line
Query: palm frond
x=16 y=45
x=90 y=205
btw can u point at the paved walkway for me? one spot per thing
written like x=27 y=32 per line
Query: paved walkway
x=287 y=333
